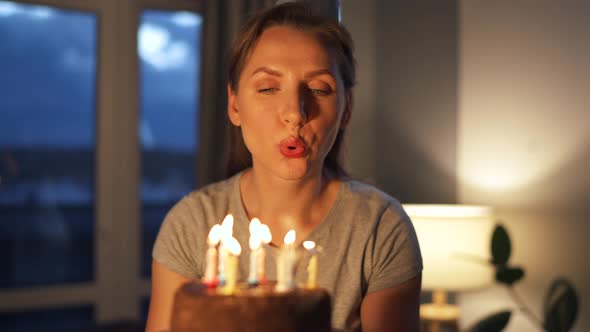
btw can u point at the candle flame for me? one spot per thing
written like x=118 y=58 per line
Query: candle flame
x=214 y=235
x=227 y=227
x=233 y=246
x=265 y=234
x=290 y=237
x=309 y=245
x=255 y=227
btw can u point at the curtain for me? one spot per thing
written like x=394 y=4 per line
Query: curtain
x=223 y=19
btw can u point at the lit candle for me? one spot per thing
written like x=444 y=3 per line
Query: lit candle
x=210 y=278
x=266 y=238
x=231 y=265
x=226 y=233
x=286 y=263
x=254 y=242
x=312 y=268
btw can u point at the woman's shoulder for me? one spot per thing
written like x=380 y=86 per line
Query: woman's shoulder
x=361 y=207
x=211 y=200
x=215 y=191
x=368 y=193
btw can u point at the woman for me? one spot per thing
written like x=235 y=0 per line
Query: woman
x=289 y=100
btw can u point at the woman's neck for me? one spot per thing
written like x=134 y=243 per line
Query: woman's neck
x=283 y=205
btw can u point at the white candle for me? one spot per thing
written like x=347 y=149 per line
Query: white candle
x=266 y=238
x=210 y=278
x=260 y=261
x=286 y=263
x=254 y=248
x=254 y=243
x=312 y=268
x=226 y=234
x=232 y=262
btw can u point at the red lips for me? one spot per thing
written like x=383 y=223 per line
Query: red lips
x=292 y=147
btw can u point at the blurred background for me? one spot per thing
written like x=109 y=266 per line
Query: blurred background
x=110 y=111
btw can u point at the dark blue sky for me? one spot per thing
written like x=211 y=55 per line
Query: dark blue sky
x=47 y=77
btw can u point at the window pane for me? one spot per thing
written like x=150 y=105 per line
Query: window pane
x=47 y=111
x=67 y=319
x=169 y=46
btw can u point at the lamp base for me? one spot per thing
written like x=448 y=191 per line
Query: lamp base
x=439 y=313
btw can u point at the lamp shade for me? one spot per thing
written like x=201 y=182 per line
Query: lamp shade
x=455 y=245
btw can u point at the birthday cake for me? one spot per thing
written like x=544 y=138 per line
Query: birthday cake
x=260 y=309
x=220 y=303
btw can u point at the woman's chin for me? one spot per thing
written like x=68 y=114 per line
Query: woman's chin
x=289 y=169
x=294 y=171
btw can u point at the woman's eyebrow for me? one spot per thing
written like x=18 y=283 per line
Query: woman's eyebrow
x=308 y=75
x=318 y=72
x=267 y=71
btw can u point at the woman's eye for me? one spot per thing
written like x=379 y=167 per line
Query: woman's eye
x=320 y=92
x=267 y=91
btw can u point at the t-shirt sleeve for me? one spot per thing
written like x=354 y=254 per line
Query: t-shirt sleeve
x=176 y=244
x=394 y=252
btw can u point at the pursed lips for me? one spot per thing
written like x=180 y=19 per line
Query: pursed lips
x=292 y=147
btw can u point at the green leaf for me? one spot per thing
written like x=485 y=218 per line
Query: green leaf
x=500 y=245
x=493 y=323
x=560 y=306
x=508 y=275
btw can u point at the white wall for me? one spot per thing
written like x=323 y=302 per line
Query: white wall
x=403 y=135
x=359 y=18
x=498 y=115
x=524 y=140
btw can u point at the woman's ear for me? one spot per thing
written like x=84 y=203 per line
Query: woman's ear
x=232 y=107
x=347 y=111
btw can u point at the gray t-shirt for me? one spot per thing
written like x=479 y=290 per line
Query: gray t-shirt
x=368 y=243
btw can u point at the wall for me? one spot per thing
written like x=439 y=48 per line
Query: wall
x=360 y=140
x=524 y=140
x=483 y=102
x=403 y=135
x=416 y=101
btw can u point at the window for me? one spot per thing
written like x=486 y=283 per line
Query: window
x=94 y=93
x=168 y=45
x=67 y=319
x=47 y=144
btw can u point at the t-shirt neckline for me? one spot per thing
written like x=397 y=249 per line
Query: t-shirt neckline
x=316 y=234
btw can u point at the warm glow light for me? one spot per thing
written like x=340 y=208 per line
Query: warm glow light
x=254 y=242
x=522 y=129
x=290 y=237
x=255 y=227
x=227 y=227
x=455 y=244
x=500 y=173
x=214 y=235
x=233 y=246
x=255 y=234
x=308 y=245
x=445 y=211
x=509 y=138
x=265 y=234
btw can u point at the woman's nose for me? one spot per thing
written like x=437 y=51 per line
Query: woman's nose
x=294 y=112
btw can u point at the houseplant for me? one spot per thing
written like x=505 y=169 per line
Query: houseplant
x=560 y=307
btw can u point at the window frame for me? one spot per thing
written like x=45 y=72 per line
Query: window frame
x=118 y=287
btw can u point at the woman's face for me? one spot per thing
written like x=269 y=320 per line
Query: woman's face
x=290 y=103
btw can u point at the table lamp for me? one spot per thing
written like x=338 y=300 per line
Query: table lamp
x=455 y=245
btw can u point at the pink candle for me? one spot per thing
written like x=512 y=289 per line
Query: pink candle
x=210 y=278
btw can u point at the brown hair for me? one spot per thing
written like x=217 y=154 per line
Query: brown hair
x=299 y=16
